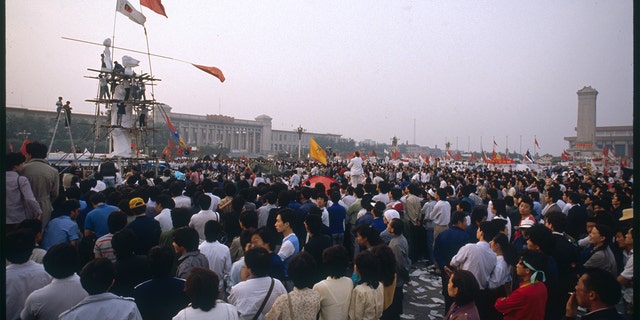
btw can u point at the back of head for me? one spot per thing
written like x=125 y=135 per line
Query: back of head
x=187 y=237
x=388 y=263
x=249 y=219
x=123 y=243
x=212 y=230
x=300 y=266
x=13 y=159
x=335 y=260
x=202 y=288
x=557 y=220
x=19 y=245
x=61 y=260
x=398 y=226
x=489 y=230
x=370 y=233
x=180 y=217
x=369 y=268
x=117 y=221
x=258 y=260
x=160 y=260
x=313 y=223
x=534 y=261
x=204 y=202
x=97 y=276
x=37 y=150
x=457 y=217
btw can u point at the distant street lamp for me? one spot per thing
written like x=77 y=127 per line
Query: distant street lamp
x=23 y=133
x=300 y=130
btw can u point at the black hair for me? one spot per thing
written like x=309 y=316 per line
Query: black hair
x=299 y=268
x=123 y=243
x=61 y=260
x=396 y=193
x=98 y=197
x=212 y=230
x=13 y=159
x=314 y=223
x=160 y=261
x=477 y=214
x=266 y=236
x=604 y=284
x=258 y=260
x=369 y=268
x=370 y=233
x=204 y=202
x=180 y=217
x=398 y=226
x=489 y=229
x=187 y=237
x=458 y=216
x=335 y=260
x=34 y=225
x=536 y=260
x=37 y=150
x=166 y=202
x=116 y=221
x=508 y=251
x=202 y=288
x=287 y=215
x=249 y=219
x=558 y=220
x=467 y=285
x=465 y=206
x=388 y=263
x=19 y=245
x=97 y=276
x=605 y=231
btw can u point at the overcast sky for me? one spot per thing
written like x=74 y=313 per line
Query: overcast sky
x=459 y=70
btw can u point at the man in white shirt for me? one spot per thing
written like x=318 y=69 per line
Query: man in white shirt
x=441 y=213
x=355 y=166
x=180 y=200
x=199 y=219
x=61 y=262
x=269 y=202
x=23 y=276
x=207 y=187
x=164 y=205
x=248 y=296
x=217 y=253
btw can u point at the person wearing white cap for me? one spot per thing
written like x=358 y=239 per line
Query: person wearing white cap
x=387 y=216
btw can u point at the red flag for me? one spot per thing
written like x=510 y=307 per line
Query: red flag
x=155 y=6
x=23 y=149
x=373 y=153
x=179 y=150
x=212 y=71
x=170 y=144
x=605 y=152
x=535 y=141
x=495 y=143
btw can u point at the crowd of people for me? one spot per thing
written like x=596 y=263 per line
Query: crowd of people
x=220 y=239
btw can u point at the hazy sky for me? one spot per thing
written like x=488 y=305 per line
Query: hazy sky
x=364 y=69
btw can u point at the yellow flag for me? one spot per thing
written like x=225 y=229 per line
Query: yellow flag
x=316 y=152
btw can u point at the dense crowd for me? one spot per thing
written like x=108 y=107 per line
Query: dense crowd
x=238 y=239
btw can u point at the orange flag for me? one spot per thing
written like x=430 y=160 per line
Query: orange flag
x=212 y=71
x=23 y=148
x=155 y=6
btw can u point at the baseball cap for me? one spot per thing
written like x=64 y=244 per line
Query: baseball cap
x=136 y=203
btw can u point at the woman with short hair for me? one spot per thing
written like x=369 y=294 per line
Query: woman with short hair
x=202 y=289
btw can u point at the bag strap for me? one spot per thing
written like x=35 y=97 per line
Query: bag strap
x=264 y=302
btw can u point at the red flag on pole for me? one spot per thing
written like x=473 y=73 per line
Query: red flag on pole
x=535 y=141
x=495 y=143
x=23 y=149
x=155 y=6
x=212 y=71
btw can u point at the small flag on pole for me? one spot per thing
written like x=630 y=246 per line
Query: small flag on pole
x=23 y=149
x=128 y=10
x=535 y=141
x=155 y=6
x=212 y=71
x=316 y=152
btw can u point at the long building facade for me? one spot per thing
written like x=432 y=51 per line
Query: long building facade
x=241 y=137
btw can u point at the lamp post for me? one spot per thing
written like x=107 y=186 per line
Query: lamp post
x=300 y=130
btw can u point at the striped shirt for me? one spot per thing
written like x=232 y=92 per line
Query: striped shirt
x=103 y=247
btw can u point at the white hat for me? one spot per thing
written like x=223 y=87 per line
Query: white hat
x=391 y=214
x=526 y=224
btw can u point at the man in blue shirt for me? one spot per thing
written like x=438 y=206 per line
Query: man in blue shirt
x=64 y=227
x=96 y=221
x=447 y=244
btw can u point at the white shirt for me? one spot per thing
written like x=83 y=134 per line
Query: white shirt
x=478 y=259
x=182 y=202
x=501 y=273
x=103 y=306
x=236 y=270
x=248 y=295
x=199 y=219
x=441 y=213
x=222 y=311
x=325 y=216
x=47 y=302
x=23 y=279
x=164 y=218
x=356 y=166
x=219 y=258
x=287 y=249
x=263 y=214
x=335 y=295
